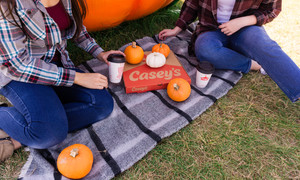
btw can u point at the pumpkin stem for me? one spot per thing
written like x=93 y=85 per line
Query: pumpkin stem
x=74 y=152
x=134 y=44
x=176 y=87
x=161 y=44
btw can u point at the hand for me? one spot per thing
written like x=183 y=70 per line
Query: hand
x=103 y=55
x=234 y=25
x=91 y=80
x=169 y=32
x=231 y=26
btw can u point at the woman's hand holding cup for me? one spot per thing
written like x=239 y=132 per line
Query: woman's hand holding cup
x=104 y=55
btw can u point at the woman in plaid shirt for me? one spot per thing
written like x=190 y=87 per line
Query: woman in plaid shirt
x=230 y=36
x=50 y=97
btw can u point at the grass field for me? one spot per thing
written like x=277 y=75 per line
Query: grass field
x=250 y=133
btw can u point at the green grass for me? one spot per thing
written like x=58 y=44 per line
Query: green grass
x=250 y=133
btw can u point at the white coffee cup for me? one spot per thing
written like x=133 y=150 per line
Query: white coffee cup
x=116 y=64
x=204 y=72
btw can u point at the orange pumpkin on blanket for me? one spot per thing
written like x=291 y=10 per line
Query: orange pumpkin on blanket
x=178 y=89
x=75 y=161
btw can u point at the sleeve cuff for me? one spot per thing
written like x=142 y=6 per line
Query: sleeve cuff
x=260 y=18
x=97 y=51
x=67 y=77
x=180 y=23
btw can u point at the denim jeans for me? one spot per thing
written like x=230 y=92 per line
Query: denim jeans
x=236 y=51
x=42 y=116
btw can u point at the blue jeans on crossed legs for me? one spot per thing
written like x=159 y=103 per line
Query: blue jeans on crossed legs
x=42 y=116
x=236 y=51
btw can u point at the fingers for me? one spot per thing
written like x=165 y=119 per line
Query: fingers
x=95 y=81
x=116 y=52
x=229 y=33
x=225 y=25
x=231 y=27
x=104 y=55
x=161 y=35
x=164 y=34
x=91 y=80
x=225 y=29
x=101 y=81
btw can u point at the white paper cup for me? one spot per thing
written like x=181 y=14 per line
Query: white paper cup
x=204 y=72
x=116 y=64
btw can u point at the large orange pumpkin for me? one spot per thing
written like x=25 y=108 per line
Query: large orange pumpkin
x=161 y=48
x=178 y=89
x=75 y=161
x=134 y=53
x=103 y=14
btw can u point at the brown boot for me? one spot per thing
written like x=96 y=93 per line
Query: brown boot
x=6 y=146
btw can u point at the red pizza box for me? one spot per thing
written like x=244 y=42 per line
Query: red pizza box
x=140 y=77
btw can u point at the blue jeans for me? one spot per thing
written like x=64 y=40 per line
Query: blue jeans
x=42 y=116
x=236 y=51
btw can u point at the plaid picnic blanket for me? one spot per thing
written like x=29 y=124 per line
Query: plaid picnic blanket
x=138 y=122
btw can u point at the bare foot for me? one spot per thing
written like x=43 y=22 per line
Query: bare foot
x=255 y=66
x=16 y=143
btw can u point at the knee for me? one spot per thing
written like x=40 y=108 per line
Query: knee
x=206 y=48
x=45 y=142
x=48 y=135
x=108 y=105
x=105 y=102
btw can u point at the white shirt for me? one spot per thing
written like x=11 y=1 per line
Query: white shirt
x=224 y=11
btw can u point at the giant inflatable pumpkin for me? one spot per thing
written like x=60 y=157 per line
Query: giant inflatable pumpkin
x=103 y=14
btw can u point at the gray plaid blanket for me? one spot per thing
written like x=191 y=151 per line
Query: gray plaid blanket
x=138 y=121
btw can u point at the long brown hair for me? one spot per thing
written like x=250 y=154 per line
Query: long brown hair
x=10 y=7
x=79 y=10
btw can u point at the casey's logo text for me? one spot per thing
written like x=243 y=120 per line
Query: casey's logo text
x=167 y=75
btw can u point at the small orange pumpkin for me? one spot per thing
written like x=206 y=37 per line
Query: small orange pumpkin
x=75 y=161
x=134 y=54
x=161 y=48
x=178 y=89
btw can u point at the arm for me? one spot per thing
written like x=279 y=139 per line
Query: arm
x=236 y=24
x=267 y=11
x=92 y=80
x=17 y=64
x=169 y=32
x=188 y=14
x=87 y=43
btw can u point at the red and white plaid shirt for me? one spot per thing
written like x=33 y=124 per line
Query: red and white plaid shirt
x=26 y=54
x=206 y=11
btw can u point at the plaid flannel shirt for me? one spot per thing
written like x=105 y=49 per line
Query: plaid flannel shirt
x=26 y=53
x=206 y=11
